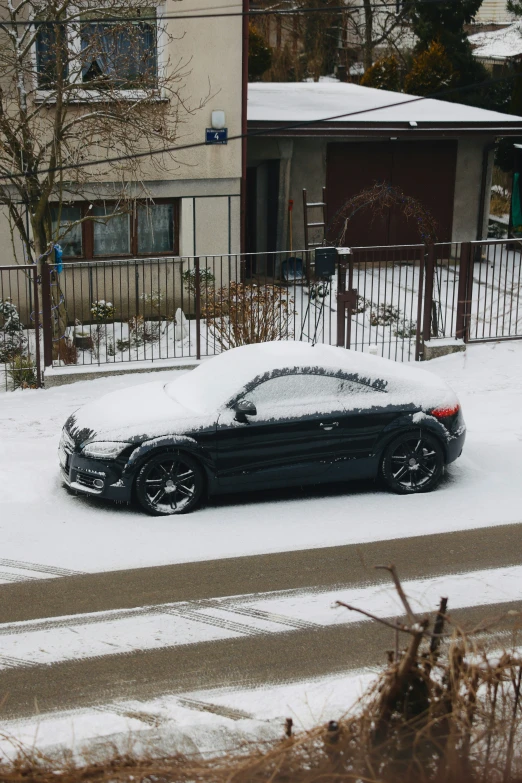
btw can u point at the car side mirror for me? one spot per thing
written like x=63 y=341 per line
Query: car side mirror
x=244 y=408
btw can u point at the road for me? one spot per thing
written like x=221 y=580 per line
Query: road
x=301 y=652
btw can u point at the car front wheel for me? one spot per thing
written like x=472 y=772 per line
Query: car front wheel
x=169 y=483
x=413 y=462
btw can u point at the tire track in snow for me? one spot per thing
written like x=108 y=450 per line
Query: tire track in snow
x=38 y=567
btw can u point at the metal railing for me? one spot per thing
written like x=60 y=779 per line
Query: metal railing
x=388 y=300
x=111 y=312
x=20 y=365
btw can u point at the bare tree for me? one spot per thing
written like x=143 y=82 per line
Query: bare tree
x=82 y=81
x=367 y=27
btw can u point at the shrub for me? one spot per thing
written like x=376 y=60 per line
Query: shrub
x=431 y=71
x=385 y=314
x=12 y=339
x=102 y=311
x=22 y=371
x=206 y=280
x=243 y=314
x=384 y=74
x=406 y=329
x=67 y=351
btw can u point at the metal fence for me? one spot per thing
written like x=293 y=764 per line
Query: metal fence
x=20 y=365
x=387 y=300
x=110 y=312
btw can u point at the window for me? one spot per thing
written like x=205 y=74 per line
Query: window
x=151 y=229
x=103 y=54
x=300 y=389
x=155 y=228
x=111 y=235
x=70 y=235
x=120 y=54
x=50 y=46
x=305 y=389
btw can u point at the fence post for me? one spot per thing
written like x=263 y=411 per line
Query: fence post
x=197 y=283
x=47 y=325
x=428 y=293
x=419 y=333
x=37 y=327
x=465 y=272
x=341 y=310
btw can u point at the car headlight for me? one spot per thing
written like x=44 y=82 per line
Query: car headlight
x=104 y=449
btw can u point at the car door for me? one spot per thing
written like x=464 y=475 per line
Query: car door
x=292 y=438
x=367 y=410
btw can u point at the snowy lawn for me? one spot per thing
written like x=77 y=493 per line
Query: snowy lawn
x=42 y=525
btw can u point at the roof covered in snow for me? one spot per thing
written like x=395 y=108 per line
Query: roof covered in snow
x=498 y=44
x=347 y=104
x=219 y=379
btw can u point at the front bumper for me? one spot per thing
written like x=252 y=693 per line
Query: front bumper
x=96 y=478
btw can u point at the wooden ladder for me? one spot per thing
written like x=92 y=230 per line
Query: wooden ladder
x=313 y=205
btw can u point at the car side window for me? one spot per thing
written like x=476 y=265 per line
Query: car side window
x=301 y=389
x=347 y=387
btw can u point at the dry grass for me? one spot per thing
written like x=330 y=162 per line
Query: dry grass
x=499 y=204
x=444 y=710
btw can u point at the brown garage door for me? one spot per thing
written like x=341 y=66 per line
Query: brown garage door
x=422 y=169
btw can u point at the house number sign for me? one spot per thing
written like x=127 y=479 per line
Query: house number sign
x=214 y=136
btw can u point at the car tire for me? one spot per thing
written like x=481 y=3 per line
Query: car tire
x=170 y=482
x=412 y=463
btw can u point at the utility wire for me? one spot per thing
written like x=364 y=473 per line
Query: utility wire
x=264 y=131
x=252 y=12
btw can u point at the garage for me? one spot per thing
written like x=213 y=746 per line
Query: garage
x=424 y=170
x=344 y=138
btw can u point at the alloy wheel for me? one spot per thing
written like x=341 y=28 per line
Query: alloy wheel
x=413 y=463
x=169 y=484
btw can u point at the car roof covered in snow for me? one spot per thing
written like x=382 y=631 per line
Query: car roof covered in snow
x=218 y=380
x=294 y=102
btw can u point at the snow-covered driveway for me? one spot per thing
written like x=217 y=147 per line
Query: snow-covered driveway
x=42 y=526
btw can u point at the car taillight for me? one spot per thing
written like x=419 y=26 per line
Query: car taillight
x=445 y=411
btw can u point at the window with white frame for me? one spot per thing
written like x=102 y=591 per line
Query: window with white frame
x=117 y=52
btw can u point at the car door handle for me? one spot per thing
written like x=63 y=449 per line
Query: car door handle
x=330 y=426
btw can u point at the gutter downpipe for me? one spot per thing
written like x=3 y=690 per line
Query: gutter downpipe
x=244 y=102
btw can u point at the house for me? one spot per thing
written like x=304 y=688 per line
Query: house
x=188 y=204
x=346 y=137
x=498 y=49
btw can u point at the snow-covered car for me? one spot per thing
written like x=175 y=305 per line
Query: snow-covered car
x=264 y=416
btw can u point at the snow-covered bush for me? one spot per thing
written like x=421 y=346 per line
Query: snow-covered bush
x=12 y=339
x=102 y=310
x=385 y=314
x=405 y=329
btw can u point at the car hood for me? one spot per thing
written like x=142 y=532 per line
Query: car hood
x=134 y=414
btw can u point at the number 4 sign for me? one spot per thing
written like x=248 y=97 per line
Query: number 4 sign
x=216 y=136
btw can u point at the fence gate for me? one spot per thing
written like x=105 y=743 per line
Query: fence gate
x=380 y=301
x=491 y=291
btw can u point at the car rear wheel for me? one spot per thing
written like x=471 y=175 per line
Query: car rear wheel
x=169 y=483
x=413 y=462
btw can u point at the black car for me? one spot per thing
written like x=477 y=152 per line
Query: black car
x=264 y=416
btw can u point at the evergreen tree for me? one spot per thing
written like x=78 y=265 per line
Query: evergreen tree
x=259 y=55
x=431 y=71
x=444 y=23
x=384 y=74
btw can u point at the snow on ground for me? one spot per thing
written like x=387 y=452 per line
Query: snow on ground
x=81 y=636
x=200 y=722
x=42 y=525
